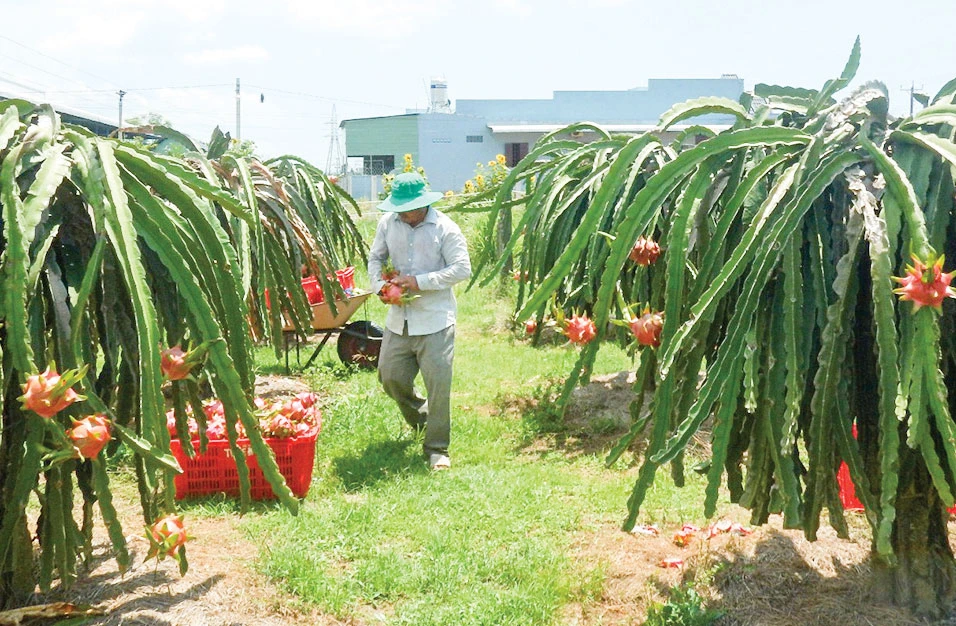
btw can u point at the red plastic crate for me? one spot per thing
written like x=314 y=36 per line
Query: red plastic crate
x=215 y=471
x=848 y=491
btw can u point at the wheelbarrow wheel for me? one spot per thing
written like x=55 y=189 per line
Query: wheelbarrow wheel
x=359 y=344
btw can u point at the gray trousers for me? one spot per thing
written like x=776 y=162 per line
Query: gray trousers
x=399 y=361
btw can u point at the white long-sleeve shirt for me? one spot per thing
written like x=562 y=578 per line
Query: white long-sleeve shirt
x=436 y=254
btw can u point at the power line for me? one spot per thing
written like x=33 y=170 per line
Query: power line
x=34 y=50
x=325 y=98
x=40 y=69
x=171 y=88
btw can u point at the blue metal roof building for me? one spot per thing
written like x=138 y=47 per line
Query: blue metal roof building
x=449 y=145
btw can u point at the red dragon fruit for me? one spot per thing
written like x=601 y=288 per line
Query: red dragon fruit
x=647 y=328
x=166 y=536
x=530 y=326
x=89 y=435
x=388 y=270
x=393 y=294
x=925 y=288
x=173 y=363
x=645 y=251
x=280 y=426
x=580 y=329
x=48 y=393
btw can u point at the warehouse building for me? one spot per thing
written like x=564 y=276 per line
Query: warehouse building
x=449 y=144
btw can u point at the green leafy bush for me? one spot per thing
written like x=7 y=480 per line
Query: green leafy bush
x=684 y=607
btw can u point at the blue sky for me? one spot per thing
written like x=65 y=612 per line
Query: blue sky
x=298 y=58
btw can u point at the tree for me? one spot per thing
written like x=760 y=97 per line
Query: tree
x=149 y=119
x=781 y=238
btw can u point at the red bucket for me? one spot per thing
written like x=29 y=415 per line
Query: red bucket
x=346 y=278
x=313 y=291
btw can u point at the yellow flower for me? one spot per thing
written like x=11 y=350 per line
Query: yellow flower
x=501 y=159
x=408 y=158
x=449 y=193
x=480 y=180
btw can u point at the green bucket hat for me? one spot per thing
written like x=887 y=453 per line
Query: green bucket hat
x=408 y=194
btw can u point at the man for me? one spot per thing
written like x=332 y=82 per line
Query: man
x=429 y=255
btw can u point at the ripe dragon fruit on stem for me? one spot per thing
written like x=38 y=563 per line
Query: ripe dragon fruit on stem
x=166 y=535
x=177 y=365
x=645 y=251
x=48 y=393
x=926 y=288
x=647 y=328
x=580 y=329
x=89 y=435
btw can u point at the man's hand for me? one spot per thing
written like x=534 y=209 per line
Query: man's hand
x=406 y=282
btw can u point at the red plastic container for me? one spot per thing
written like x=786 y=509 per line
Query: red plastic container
x=346 y=278
x=215 y=471
x=847 y=490
x=313 y=291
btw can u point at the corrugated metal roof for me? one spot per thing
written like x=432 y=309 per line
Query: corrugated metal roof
x=7 y=95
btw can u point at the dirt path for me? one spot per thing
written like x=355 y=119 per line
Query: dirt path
x=772 y=577
x=221 y=587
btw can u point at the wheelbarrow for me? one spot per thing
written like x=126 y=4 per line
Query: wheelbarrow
x=358 y=343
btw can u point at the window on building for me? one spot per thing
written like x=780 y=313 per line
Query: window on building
x=474 y=139
x=378 y=164
x=514 y=152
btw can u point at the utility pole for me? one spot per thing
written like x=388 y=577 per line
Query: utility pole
x=913 y=93
x=120 y=93
x=238 y=133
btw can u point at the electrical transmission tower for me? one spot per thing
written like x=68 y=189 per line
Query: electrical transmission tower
x=334 y=164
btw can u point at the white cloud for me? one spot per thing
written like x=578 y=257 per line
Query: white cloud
x=512 y=7
x=227 y=55
x=369 y=19
x=108 y=26
x=193 y=10
x=96 y=26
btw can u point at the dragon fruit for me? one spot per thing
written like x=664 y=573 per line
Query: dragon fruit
x=48 y=393
x=530 y=326
x=388 y=270
x=166 y=536
x=299 y=416
x=580 y=329
x=393 y=294
x=173 y=363
x=280 y=426
x=645 y=251
x=647 y=328
x=89 y=435
x=925 y=288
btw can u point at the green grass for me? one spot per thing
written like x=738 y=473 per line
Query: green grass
x=381 y=538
